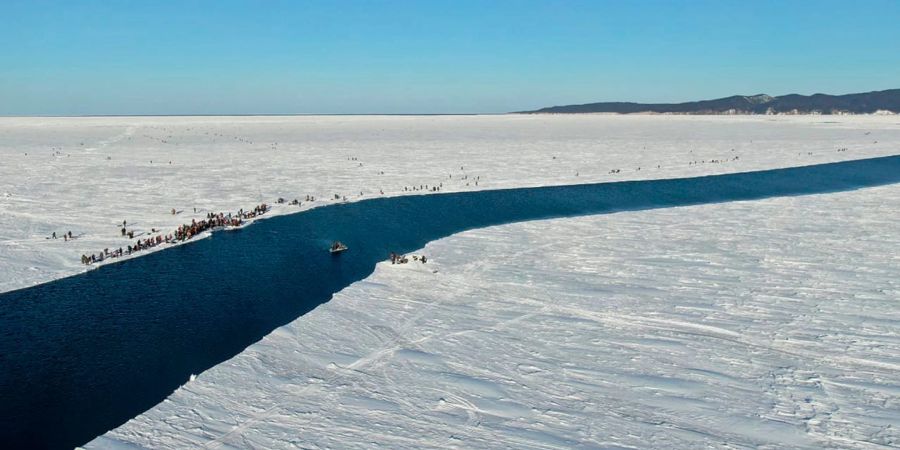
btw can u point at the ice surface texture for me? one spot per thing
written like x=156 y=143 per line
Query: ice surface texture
x=87 y=174
x=90 y=351
x=766 y=324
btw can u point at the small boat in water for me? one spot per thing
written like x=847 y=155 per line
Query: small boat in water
x=337 y=247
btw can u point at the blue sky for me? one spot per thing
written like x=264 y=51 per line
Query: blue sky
x=231 y=57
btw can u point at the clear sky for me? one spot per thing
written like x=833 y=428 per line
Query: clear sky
x=179 y=57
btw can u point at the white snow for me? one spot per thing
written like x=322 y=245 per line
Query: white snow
x=86 y=175
x=768 y=324
x=771 y=323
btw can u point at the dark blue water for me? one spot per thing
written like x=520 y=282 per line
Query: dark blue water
x=82 y=355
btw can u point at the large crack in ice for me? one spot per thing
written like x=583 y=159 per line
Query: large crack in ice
x=88 y=352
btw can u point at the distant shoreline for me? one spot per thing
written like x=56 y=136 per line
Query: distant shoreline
x=524 y=113
x=707 y=113
x=876 y=102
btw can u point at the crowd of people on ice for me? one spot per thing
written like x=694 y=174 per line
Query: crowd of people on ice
x=182 y=233
x=403 y=259
x=220 y=220
x=188 y=231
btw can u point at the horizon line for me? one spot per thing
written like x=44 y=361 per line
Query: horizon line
x=251 y=115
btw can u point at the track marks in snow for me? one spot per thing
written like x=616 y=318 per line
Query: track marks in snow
x=665 y=333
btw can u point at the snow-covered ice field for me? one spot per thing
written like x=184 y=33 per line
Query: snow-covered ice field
x=86 y=175
x=749 y=324
x=767 y=324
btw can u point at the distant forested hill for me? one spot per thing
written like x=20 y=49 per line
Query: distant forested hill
x=865 y=103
